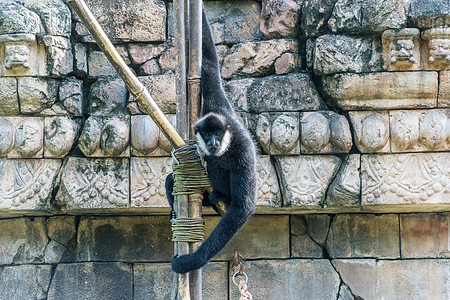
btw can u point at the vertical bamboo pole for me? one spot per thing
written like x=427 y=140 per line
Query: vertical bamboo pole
x=194 y=103
x=181 y=202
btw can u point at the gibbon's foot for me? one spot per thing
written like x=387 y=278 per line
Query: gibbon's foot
x=186 y=263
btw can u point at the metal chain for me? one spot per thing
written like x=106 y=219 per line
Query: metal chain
x=243 y=289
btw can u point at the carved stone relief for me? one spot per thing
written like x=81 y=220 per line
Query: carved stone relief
x=304 y=179
x=371 y=131
x=60 y=133
x=94 y=184
x=36 y=94
x=401 y=49
x=268 y=190
x=437 y=51
x=406 y=179
x=27 y=184
x=9 y=105
x=345 y=190
x=147 y=181
x=105 y=137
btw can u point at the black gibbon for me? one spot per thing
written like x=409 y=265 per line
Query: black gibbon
x=230 y=156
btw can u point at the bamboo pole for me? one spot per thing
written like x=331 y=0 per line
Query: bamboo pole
x=133 y=84
x=194 y=104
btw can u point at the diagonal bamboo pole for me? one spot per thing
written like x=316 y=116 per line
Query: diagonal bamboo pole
x=133 y=84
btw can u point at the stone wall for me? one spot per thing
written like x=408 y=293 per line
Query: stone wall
x=348 y=102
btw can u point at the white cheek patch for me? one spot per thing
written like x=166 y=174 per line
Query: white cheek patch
x=225 y=144
x=201 y=144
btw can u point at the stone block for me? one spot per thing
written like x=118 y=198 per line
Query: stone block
x=94 y=184
x=290 y=279
x=287 y=63
x=305 y=179
x=444 y=89
x=105 y=136
x=71 y=96
x=147 y=181
x=28 y=135
x=80 y=59
x=34 y=189
x=302 y=244
x=99 y=65
x=435 y=51
x=318 y=227
x=429 y=13
x=233 y=22
x=255 y=58
x=368 y=16
x=425 y=235
x=364 y=236
x=59 y=136
x=339 y=53
x=236 y=91
x=162 y=89
x=371 y=130
x=148 y=278
x=59 y=55
x=125 y=20
x=151 y=67
x=267 y=188
x=92 y=281
x=324 y=132
x=419 y=130
x=167 y=60
x=35 y=94
x=405 y=180
x=294 y=92
x=108 y=96
x=15 y=18
x=22 y=241
x=395 y=279
x=256 y=239
x=62 y=234
x=401 y=49
x=280 y=18
x=130 y=239
x=315 y=14
x=345 y=190
x=55 y=16
x=382 y=90
x=25 y=282
x=141 y=53
x=8 y=92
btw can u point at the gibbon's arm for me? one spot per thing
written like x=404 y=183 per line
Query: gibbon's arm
x=214 y=99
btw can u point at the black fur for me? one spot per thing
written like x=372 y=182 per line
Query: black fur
x=232 y=174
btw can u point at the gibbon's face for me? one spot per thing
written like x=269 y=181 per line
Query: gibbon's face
x=212 y=135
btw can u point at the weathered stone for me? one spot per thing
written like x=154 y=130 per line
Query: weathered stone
x=364 y=236
x=59 y=134
x=256 y=239
x=167 y=60
x=108 y=95
x=425 y=235
x=237 y=92
x=59 y=55
x=14 y=18
x=6 y=136
x=338 y=53
x=25 y=282
x=436 y=52
x=130 y=239
x=444 y=89
x=387 y=279
x=234 y=22
x=105 y=137
x=141 y=53
x=411 y=179
x=315 y=14
x=34 y=189
x=80 y=65
x=255 y=58
x=293 y=279
x=144 y=135
x=368 y=16
x=35 y=94
x=71 y=96
x=150 y=68
x=382 y=90
x=371 y=131
x=429 y=13
x=147 y=181
x=317 y=227
x=125 y=20
x=305 y=179
x=99 y=65
x=401 y=49
x=268 y=191
x=284 y=133
x=54 y=14
x=302 y=245
x=293 y=92
x=123 y=53
x=162 y=89
x=92 y=281
x=286 y=63
x=148 y=278
x=345 y=293
x=8 y=93
x=345 y=189
x=28 y=137
x=22 y=241
x=94 y=183
x=404 y=130
x=280 y=18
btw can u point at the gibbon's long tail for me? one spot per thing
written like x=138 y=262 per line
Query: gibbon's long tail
x=214 y=99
